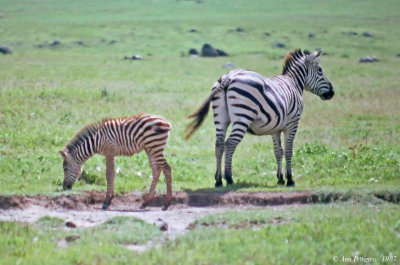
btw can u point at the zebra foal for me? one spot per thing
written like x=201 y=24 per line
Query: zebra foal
x=262 y=106
x=120 y=137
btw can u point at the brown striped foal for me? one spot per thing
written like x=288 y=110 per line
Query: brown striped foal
x=120 y=137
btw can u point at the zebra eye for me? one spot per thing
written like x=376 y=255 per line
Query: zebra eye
x=319 y=69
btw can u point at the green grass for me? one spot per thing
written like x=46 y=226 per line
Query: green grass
x=49 y=93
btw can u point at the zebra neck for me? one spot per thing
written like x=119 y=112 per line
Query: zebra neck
x=298 y=79
x=86 y=149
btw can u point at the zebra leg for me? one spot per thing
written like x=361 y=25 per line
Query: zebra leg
x=110 y=174
x=156 y=175
x=221 y=121
x=168 y=178
x=278 y=151
x=289 y=137
x=238 y=131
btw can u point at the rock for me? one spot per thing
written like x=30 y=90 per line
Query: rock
x=368 y=34
x=70 y=224
x=79 y=43
x=311 y=35
x=5 y=50
x=161 y=224
x=280 y=45
x=239 y=29
x=229 y=65
x=353 y=33
x=193 y=51
x=137 y=57
x=112 y=42
x=398 y=55
x=221 y=52
x=368 y=59
x=127 y=58
x=208 y=51
x=72 y=238
x=55 y=43
x=193 y=30
x=267 y=34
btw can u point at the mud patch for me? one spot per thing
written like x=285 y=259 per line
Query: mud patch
x=253 y=224
x=92 y=200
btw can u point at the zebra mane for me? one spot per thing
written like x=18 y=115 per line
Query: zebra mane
x=291 y=57
x=82 y=134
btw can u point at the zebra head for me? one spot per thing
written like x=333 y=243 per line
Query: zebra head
x=316 y=82
x=72 y=169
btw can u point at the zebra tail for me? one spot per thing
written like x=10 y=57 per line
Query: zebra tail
x=201 y=114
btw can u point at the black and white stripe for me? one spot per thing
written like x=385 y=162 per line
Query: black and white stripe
x=262 y=106
x=120 y=137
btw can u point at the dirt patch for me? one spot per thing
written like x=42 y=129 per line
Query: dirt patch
x=92 y=200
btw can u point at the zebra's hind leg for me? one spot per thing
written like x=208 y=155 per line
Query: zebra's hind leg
x=278 y=151
x=221 y=121
x=156 y=172
x=219 y=151
x=238 y=130
x=110 y=181
x=168 y=178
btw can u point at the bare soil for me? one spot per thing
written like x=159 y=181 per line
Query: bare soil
x=84 y=209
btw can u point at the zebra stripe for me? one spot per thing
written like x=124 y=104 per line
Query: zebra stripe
x=262 y=106
x=120 y=137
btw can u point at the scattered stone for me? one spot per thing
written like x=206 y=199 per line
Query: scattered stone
x=137 y=57
x=267 y=34
x=127 y=58
x=79 y=43
x=193 y=30
x=398 y=55
x=229 y=65
x=5 y=50
x=72 y=238
x=55 y=43
x=208 y=51
x=193 y=51
x=221 y=52
x=70 y=224
x=161 y=224
x=280 y=45
x=112 y=42
x=368 y=34
x=368 y=59
x=239 y=29
x=353 y=33
x=311 y=35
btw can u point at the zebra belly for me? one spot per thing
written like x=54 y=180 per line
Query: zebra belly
x=262 y=127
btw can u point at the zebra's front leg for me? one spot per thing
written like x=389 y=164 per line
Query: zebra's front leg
x=278 y=151
x=219 y=151
x=110 y=181
x=289 y=138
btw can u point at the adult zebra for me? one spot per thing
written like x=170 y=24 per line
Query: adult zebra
x=116 y=137
x=262 y=106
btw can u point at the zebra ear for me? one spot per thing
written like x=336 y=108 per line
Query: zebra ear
x=314 y=57
x=64 y=154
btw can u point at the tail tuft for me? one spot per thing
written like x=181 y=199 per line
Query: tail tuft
x=199 y=116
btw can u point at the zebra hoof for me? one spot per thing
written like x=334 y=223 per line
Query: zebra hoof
x=229 y=182
x=290 y=183
x=281 y=182
x=105 y=205
x=165 y=207
x=218 y=184
x=144 y=205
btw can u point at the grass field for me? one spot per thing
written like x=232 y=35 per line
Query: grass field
x=48 y=92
